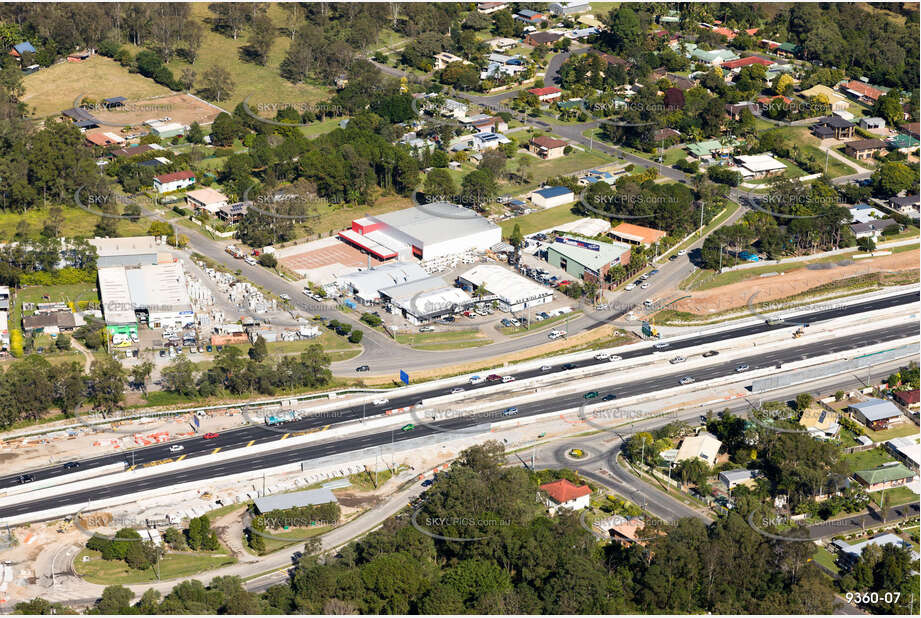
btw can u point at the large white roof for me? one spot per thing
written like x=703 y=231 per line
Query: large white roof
x=509 y=286
x=116 y=296
x=436 y=222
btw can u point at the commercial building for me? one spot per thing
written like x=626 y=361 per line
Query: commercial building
x=510 y=290
x=637 y=234
x=157 y=292
x=427 y=231
x=129 y=251
x=704 y=446
x=586 y=259
x=564 y=494
x=366 y=284
x=549 y=197
x=424 y=299
x=877 y=414
x=173 y=181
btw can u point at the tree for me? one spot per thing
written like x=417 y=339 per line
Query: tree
x=516 y=239
x=195 y=134
x=106 y=384
x=440 y=185
x=803 y=401
x=140 y=374
x=41 y=607
x=477 y=188
x=259 y=350
x=179 y=377
x=261 y=37
x=224 y=130
x=268 y=260
x=62 y=342
x=891 y=178
x=889 y=107
x=192 y=33
x=115 y=599
x=217 y=83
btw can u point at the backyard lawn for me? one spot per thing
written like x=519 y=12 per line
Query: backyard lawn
x=540 y=220
x=867 y=460
x=171 y=566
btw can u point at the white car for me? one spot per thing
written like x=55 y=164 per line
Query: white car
x=477 y=380
x=615 y=357
x=508 y=379
x=742 y=367
x=648 y=302
x=545 y=367
x=682 y=252
x=660 y=346
x=602 y=356
x=644 y=286
x=630 y=286
x=687 y=380
x=249 y=260
x=457 y=389
x=284 y=297
x=677 y=359
x=176 y=448
x=381 y=402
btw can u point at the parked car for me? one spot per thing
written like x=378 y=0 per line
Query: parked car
x=660 y=345
x=568 y=366
x=644 y=286
x=545 y=367
x=614 y=357
x=426 y=329
x=629 y=286
x=427 y=483
x=602 y=356
x=682 y=252
x=70 y=465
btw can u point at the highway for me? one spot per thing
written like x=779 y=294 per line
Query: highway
x=669 y=378
x=238 y=438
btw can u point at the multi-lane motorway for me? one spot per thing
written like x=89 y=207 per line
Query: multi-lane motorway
x=669 y=378
x=238 y=438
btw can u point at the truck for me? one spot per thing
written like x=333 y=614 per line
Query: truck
x=280 y=417
x=232 y=250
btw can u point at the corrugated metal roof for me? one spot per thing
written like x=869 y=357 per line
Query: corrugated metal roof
x=310 y=497
x=877 y=409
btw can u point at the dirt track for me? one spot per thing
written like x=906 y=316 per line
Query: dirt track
x=795 y=282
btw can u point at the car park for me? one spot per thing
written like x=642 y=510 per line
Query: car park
x=363 y=368
x=742 y=367
x=176 y=448
x=210 y=435
x=70 y=465
x=510 y=411
x=383 y=401
x=710 y=353
x=687 y=380
x=677 y=359
x=590 y=395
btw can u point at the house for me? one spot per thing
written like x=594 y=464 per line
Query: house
x=673 y=98
x=733 y=478
x=498 y=69
x=709 y=149
x=913 y=129
x=488 y=8
x=665 y=135
x=547 y=93
x=837 y=102
x=80 y=56
x=624 y=530
x=775 y=102
x=829 y=127
x=529 y=17
x=488 y=123
x=4 y=330
x=821 y=424
x=575 y=7
x=615 y=61
x=581 y=33
x=736 y=65
x=443 y=59
x=487 y=140
x=680 y=82
x=81 y=118
x=907 y=449
x=884 y=477
x=535 y=39
x=502 y=43
x=734 y=110
x=206 y=199
x=788 y=50
x=704 y=446
x=133 y=151
x=905 y=205
x=104 y=138
x=547 y=147
x=637 y=234
x=849 y=554
x=864 y=148
x=4 y=298
x=453 y=109
x=52 y=323
x=592 y=176
x=872 y=229
x=863 y=213
x=872 y=123
x=863 y=92
x=173 y=181
x=549 y=197
x=877 y=414
x=232 y=213
x=21 y=49
x=714 y=57
x=563 y=494
x=759 y=166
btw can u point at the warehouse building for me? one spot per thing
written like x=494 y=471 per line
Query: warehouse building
x=130 y=251
x=293 y=500
x=512 y=291
x=424 y=299
x=425 y=232
x=365 y=284
x=586 y=259
x=155 y=291
x=548 y=197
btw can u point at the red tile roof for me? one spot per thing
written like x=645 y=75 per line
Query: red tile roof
x=744 y=62
x=563 y=491
x=726 y=32
x=548 y=142
x=539 y=92
x=908 y=397
x=864 y=89
x=173 y=176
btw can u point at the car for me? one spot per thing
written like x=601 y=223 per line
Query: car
x=629 y=286
x=70 y=465
x=476 y=379
x=644 y=276
x=426 y=329
x=637 y=282
x=420 y=403
x=427 y=483
x=449 y=318
x=615 y=357
x=363 y=368
x=568 y=366
x=602 y=356
x=682 y=252
x=648 y=302
x=654 y=271
x=687 y=380
x=408 y=427
x=383 y=401
x=742 y=367
x=545 y=367
x=774 y=321
x=710 y=353
x=176 y=448
x=609 y=397
x=644 y=286
x=539 y=318
x=457 y=389
x=24 y=478
x=660 y=345
x=210 y=435
x=506 y=322
x=506 y=379
x=590 y=395
x=703 y=419
x=510 y=411
x=493 y=377
x=673 y=258
x=677 y=359
x=284 y=297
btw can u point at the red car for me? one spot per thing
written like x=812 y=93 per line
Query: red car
x=493 y=377
x=209 y=436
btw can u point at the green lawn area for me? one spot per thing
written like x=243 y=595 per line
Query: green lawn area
x=899 y=431
x=287 y=538
x=515 y=330
x=575 y=161
x=540 y=220
x=74 y=222
x=336 y=346
x=444 y=340
x=867 y=460
x=896 y=496
x=826 y=559
x=173 y=565
x=318 y=128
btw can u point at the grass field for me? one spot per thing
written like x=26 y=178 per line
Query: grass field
x=444 y=340
x=54 y=89
x=540 y=220
x=74 y=222
x=895 y=496
x=173 y=565
x=899 y=431
x=867 y=460
x=286 y=538
x=826 y=559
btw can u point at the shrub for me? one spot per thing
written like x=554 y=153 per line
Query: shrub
x=16 y=342
x=371 y=320
x=268 y=260
x=356 y=336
